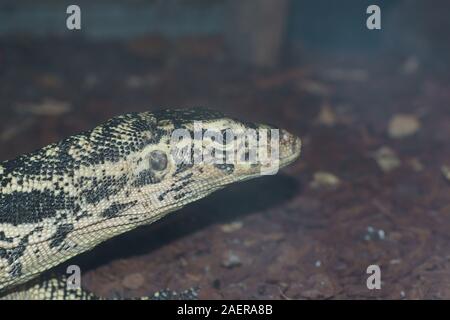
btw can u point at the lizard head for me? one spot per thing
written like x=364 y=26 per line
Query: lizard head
x=191 y=153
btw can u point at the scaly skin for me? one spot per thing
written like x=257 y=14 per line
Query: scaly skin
x=68 y=197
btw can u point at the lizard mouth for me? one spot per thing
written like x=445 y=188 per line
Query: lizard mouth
x=290 y=148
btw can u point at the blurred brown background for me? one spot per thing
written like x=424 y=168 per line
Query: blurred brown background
x=372 y=107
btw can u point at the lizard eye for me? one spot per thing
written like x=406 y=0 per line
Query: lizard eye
x=158 y=160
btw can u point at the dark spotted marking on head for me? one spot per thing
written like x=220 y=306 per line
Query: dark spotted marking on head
x=62 y=215
x=61 y=234
x=116 y=208
x=176 y=187
x=3 y=237
x=82 y=214
x=181 y=195
x=3 y=252
x=144 y=178
x=16 y=270
x=102 y=188
x=4 y=181
x=162 y=196
x=32 y=207
x=13 y=255
x=183 y=167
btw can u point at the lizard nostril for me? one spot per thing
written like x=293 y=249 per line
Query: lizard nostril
x=296 y=145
